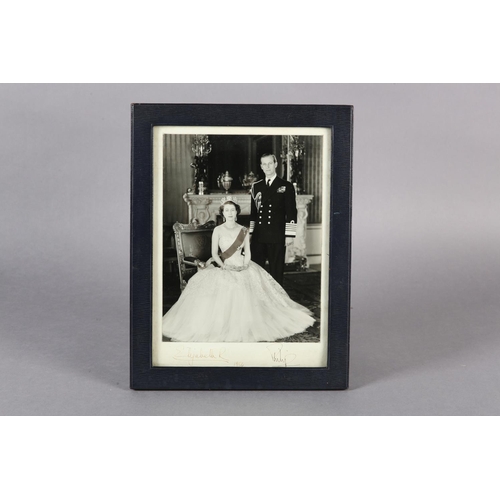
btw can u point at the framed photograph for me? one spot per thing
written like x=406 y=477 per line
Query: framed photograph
x=240 y=246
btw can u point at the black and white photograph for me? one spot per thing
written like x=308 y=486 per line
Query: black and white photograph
x=240 y=246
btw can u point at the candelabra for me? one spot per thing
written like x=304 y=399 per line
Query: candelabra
x=201 y=149
x=292 y=157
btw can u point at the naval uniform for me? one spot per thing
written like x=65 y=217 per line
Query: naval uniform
x=273 y=217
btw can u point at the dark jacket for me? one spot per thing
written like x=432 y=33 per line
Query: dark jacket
x=274 y=211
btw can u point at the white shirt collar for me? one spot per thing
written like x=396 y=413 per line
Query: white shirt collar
x=271 y=178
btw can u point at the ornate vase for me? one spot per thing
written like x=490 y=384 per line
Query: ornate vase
x=225 y=181
x=248 y=180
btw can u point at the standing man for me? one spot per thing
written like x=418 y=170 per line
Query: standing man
x=273 y=219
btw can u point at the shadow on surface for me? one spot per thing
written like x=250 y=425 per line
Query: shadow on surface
x=409 y=318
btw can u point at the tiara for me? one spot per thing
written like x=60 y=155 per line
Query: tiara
x=225 y=199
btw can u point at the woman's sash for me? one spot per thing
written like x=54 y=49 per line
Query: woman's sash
x=236 y=243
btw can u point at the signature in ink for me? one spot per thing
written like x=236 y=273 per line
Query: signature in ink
x=283 y=356
x=191 y=355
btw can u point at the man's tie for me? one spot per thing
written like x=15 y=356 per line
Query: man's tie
x=268 y=182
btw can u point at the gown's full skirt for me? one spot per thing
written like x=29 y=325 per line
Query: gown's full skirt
x=234 y=306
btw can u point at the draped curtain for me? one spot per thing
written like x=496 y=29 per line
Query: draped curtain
x=177 y=176
x=312 y=176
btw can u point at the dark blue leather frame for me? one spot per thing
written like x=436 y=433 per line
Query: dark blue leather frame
x=142 y=374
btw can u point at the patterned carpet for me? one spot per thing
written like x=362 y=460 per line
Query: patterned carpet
x=303 y=287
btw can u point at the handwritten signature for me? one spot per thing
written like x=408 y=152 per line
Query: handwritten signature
x=191 y=355
x=283 y=356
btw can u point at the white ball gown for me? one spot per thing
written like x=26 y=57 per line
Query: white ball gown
x=227 y=305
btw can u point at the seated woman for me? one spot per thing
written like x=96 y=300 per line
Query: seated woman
x=237 y=301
